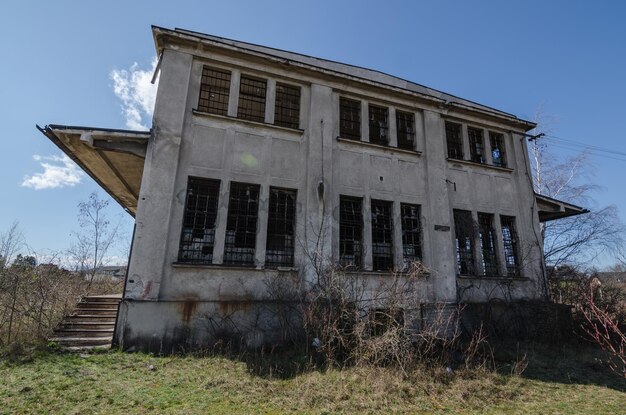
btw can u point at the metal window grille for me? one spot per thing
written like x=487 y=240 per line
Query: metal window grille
x=498 y=153
x=405 y=122
x=214 y=91
x=510 y=242
x=382 y=235
x=464 y=237
x=280 y=228
x=411 y=233
x=488 y=244
x=350 y=231
x=243 y=207
x=379 y=125
x=287 y=106
x=349 y=119
x=198 y=233
x=454 y=141
x=477 y=145
x=252 y=99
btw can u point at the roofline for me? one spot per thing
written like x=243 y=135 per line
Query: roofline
x=48 y=132
x=240 y=46
x=557 y=201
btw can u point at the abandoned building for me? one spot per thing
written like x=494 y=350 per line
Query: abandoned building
x=260 y=159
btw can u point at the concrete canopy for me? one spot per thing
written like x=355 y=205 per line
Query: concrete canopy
x=113 y=158
x=551 y=209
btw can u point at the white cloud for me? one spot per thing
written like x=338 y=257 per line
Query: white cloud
x=137 y=94
x=58 y=171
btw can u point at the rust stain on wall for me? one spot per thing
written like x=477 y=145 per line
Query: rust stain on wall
x=229 y=307
x=188 y=308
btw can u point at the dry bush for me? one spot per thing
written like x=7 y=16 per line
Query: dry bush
x=34 y=299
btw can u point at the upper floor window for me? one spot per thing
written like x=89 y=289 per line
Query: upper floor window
x=379 y=125
x=498 y=152
x=382 y=235
x=477 y=145
x=252 y=99
x=287 y=106
x=405 y=122
x=411 y=233
x=464 y=239
x=349 y=118
x=281 y=219
x=510 y=242
x=243 y=208
x=350 y=231
x=198 y=234
x=454 y=140
x=214 y=91
x=487 y=236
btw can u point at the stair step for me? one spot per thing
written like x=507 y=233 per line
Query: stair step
x=87 y=348
x=82 y=341
x=102 y=299
x=85 y=304
x=82 y=332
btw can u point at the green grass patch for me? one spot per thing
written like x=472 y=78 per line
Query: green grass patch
x=557 y=381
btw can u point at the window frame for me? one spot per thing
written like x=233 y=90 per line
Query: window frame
x=476 y=141
x=494 y=137
x=411 y=226
x=378 y=127
x=510 y=242
x=247 y=112
x=402 y=134
x=206 y=90
x=489 y=250
x=464 y=227
x=382 y=229
x=454 y=145
x=293 y=121
x=189 y=230
x=286 y=255
x=355 y=226
x=353 y=131
x=236 y=253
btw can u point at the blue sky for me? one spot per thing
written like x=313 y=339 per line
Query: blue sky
x=567 y=57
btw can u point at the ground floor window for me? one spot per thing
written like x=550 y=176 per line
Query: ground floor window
x=382 y=235
x=487 y=236
x=411 y=233
x=510 y=242
x=281 y=218
x=464 y=239
x=241 y=225
x=350 y=231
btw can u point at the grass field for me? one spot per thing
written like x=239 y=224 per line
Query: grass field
x=561 y=381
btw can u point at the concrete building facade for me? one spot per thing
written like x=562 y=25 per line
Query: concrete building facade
x=260 y=160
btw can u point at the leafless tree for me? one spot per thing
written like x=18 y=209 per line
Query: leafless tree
x=96 y=238
x=10 y=243
x=580 y=238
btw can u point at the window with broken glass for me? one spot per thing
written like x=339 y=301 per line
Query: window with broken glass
x=379 y=125
x=487 y=236
x=243 y=207
x=411 y=233
x=281 y=220
x=214 y=91
x=498 y=152
x=251 y=99
x=464 y=231
x=382 y=235
x=454 y=141
x=350 y=231
x=349 y=119
x=477 y=145
x=287 y=106
x=510 y=242
x=198 y=233
x=405 y=122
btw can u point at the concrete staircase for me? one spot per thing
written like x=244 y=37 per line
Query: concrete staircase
x=90 y=325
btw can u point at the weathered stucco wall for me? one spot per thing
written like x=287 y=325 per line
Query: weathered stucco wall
x=169 y=303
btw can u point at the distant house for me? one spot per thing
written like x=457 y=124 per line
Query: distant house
x=112 y=272
x=258 y=157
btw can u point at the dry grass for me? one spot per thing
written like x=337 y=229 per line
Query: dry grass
x=557 y=382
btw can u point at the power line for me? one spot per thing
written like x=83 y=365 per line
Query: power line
x=575 y=148
x=587 y=146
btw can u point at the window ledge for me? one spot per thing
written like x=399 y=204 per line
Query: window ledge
x=247 y=122
x=492 y=278
x=368 y=273
x=379 y=146
x=473 y=163
x=233 y=267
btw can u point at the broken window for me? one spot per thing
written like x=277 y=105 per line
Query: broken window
x=198 y=234
x=405 y=122
x=379 y=125
x=411 y=233
x=477 y=145
x=280 y=228
x=464 y=231
x=488 y=244
x=454 y=141
x=510 y=242
x=382 y=235
x=383 y=319
x=287 y=106
x=243 y=207
x=214 y=91
x=252 y=99
x=349 y=119
x=498 y=153
x=350 y=231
